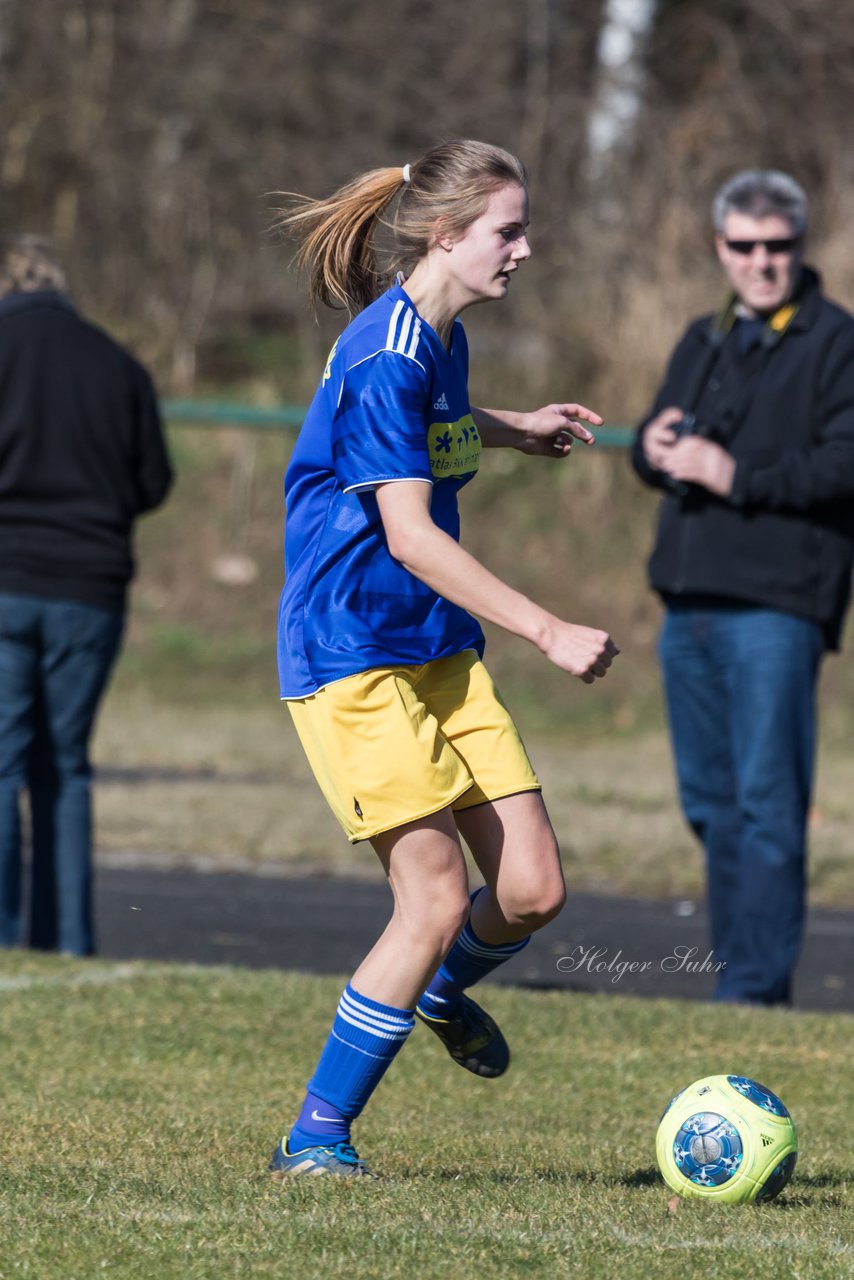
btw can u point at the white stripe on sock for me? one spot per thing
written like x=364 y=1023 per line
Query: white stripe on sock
x=380 y=1057
x=485 y=950
x=361 y=1025
x=386 y=1021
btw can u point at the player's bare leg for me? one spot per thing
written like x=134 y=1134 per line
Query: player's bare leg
x=514 y=845
x=427 y=873
x=515 y=848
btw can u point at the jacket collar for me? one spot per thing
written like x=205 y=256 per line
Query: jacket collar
x=799 y=313
x=13 y=302
x=808 y=298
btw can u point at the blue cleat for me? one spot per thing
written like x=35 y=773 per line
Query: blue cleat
x=340 y=1159
x=472 y=1039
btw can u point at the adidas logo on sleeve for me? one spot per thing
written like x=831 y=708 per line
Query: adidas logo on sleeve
x=441 y=403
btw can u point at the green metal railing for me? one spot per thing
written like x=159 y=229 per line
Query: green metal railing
x=289 y=417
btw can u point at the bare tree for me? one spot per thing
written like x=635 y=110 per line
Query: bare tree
x=147 y=137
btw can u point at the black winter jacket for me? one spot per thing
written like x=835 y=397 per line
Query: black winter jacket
x=81 y=453
x=784 y=538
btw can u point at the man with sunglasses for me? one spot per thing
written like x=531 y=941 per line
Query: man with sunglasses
x=751 y=440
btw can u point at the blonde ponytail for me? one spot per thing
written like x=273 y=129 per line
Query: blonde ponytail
x=336 y=236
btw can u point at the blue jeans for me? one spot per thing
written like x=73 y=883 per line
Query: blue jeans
x=55 y=659
x=740 y=686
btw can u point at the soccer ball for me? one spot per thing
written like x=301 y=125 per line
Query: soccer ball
x=726 y=1138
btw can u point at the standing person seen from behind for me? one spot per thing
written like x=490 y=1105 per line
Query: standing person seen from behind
x=751 y=440
x=82 y=454
x=379 y=655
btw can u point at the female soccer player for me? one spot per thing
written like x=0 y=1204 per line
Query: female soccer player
x=379 y=656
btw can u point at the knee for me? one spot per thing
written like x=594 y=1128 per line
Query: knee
x=553 y=904
x=534 y=905
x=65 y=765
x=547 y=905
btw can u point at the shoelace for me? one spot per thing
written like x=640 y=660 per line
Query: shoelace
x=346 y=1153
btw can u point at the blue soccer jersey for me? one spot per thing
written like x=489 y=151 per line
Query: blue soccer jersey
x=392 y=405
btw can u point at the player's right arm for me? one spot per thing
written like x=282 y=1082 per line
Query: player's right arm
x=437 y=560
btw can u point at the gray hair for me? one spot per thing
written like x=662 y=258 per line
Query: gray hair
x=28 y=264
x=762 y=193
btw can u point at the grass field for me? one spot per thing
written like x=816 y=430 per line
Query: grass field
x=141 y=1102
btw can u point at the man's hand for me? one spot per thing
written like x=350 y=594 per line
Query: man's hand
x=659 y=437
x=689 y=459
x=698 y=461
x=549 y=432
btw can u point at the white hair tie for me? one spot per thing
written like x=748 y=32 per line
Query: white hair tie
x=406 y=173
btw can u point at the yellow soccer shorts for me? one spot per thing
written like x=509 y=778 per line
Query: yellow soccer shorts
x=394 y=744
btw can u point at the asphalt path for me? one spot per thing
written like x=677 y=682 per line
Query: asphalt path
x=325 y=925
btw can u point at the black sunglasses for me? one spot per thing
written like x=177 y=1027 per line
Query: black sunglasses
x=772 y=246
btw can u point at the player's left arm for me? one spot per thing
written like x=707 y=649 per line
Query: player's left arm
x=546 y=432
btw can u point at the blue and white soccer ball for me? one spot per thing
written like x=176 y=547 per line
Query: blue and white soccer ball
x=726 y=1138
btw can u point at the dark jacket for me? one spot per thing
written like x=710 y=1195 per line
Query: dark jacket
x=784 y=539
x=81 y=453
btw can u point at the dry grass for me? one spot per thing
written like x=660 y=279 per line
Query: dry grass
x=228 y=786
x=194 y=702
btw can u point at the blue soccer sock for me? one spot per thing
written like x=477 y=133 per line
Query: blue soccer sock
x=468 y=960
x=364 y=1040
